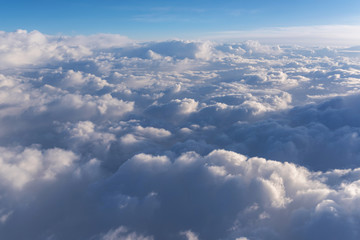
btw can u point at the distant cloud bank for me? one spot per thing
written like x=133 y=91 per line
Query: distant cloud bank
x=105 y=138
x=333 y=35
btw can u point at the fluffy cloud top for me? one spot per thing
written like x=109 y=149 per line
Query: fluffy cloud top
x=104 y=138
x=227 y=195
x=19 y=168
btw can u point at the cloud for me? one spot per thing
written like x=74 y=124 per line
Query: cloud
x=225 y=194
x=174 y=109
x=99 y=41
x=122 y=233
x=190 y=235
x=175 y=49
x=177 y=139
x=23 y=48
x=308 y=35
x=31 y=48
x=19 y=167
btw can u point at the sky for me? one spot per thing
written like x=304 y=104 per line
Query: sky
x=183 y=120
x=160 y=20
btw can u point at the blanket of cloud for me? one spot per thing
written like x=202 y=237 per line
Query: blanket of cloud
x=104 y=138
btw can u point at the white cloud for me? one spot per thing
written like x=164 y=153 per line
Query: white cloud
x=87 y=106
x=78 y=80
x=32 y=48
x=19 y=167
x=343 y=35
x=152 y=132
x=122 y=233
x=85 y=132
x=281 y=192
x=173 y=140
x=99 y=41
x=190 y=235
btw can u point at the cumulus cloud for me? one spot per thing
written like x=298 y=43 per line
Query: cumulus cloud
x=227 y=195
x=105 y=138
x=18 y=167
x=33 y=48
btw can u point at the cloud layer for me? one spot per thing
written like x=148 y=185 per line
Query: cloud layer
x=317 y=35
x=105 y=138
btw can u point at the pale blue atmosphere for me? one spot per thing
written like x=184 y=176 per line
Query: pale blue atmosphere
x=156 y=20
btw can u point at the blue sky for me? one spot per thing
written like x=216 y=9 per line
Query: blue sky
x=144 y=19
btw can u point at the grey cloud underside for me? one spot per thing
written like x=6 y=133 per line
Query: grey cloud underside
x=104 y=138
